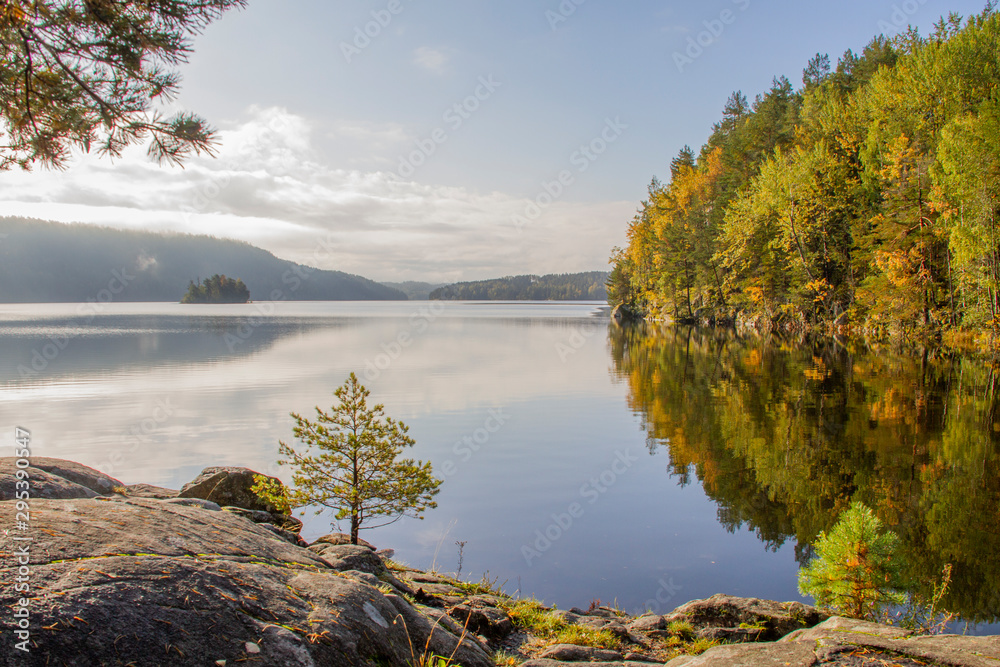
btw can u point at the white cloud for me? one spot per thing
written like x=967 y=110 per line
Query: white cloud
x=433 y=60
x=268 y=187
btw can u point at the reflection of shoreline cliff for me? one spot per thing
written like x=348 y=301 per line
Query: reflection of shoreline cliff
x=49 y=262
x=782 y=435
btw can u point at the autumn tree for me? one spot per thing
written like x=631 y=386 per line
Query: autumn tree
x=90 y=73
x=349 y=464
x=788 y=238
x=868 y=197
x=969 y=174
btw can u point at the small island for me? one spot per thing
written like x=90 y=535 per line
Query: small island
x=217 y=289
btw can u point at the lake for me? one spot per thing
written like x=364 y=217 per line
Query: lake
x=643 y=466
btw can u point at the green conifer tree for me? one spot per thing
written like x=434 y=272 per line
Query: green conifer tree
x=77 y=73
x=856 y=571
x=355 y=471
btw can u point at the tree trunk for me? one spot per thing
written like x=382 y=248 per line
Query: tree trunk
x=356 y=502
x=687 y=281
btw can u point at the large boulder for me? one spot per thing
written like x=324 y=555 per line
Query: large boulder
x=227 y=486
x=56 y=478
x=843 y=641
x=771 y=620
x=480 y=615
x=350 y=557
x=118 y=581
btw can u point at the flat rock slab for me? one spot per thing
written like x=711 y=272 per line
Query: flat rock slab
x=851 y=643
x=838 y=625
x=725 y=611
x=150 y=491
x=130 y=581
x=545 y=662
x=89 y=528
x=790 y=654
x=573 y=653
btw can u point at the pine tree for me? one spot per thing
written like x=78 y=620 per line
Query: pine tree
x=356 y=472
x=856 y=571
x=76 y=73
x=817 y=71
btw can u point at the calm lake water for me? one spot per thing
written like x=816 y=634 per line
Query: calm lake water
x=642 y=467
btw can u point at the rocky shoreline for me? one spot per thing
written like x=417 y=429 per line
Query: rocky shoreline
x=208 y=575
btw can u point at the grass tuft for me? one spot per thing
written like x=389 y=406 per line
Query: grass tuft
x=699 y=646
x=504 y=659
x=583 y=636
x=484 y=586
x=528 y=614
x=681 y=629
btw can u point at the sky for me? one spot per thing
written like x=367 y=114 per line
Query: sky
x=446 y=141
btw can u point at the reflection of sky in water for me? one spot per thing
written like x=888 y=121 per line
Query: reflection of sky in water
x=106 y=396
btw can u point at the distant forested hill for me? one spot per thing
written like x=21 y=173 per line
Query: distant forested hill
x=415 y=290
x=49 y=262
x=556 y=287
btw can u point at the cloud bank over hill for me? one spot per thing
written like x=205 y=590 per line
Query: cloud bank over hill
x=267 y=186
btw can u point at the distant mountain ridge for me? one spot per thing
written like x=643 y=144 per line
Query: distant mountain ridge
x=51 y=262
x=588 y=286
x=414 y=289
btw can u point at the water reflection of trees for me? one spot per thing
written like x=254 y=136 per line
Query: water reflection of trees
x=783 y=434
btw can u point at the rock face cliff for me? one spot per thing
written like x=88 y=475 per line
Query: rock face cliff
x=135 y=575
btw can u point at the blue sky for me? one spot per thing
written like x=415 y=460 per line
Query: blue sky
x=416 y=148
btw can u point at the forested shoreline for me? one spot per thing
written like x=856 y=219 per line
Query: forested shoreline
x=868 y=198
x=588 y=286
